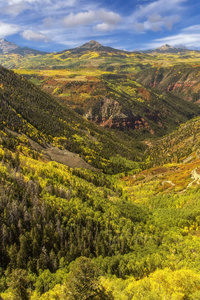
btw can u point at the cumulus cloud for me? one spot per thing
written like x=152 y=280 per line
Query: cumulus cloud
x=156 y=23
x=82 y=18
x=15 y=9
x=108 y=19
x=104 y=27
x=8 y=29
x=34 y=36
x=157 y=15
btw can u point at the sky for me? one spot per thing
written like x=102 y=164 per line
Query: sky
x=55 y=25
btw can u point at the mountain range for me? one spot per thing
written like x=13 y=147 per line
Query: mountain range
x=10 y=47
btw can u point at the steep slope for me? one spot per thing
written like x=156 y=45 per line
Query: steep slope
x=181 y=80
x=139 y=231
x=179 y=146
x=7 y=47
x=26 y=109
x=52 y=214
x=142 y=108
x=118 y=102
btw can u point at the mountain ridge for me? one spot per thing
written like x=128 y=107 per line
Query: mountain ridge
x=93 y=46
x=7 y=47
x=10 y=47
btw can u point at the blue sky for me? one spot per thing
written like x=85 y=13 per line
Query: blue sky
x=54 y=25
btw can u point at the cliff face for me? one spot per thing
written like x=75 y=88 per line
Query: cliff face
x=109 y=113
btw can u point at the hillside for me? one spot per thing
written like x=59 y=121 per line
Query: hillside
x=119 y=102
x=99 y=212
x=119 y=236
x=182 y=80
x=26 y=109
x=94 y=56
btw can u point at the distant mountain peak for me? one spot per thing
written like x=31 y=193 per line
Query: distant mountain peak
x=6 y=46
x=91 y=45
x=165 y=47
x=168 y=49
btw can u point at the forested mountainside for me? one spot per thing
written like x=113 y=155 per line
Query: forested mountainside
x=89 y=212
x=68 y=232
x=26 y=109
x=182 y=80
x=119 y=102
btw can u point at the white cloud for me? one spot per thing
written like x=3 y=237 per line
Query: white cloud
x=156 y=15
x=156 y=23
x=158 y=7
x=48 y=22
x=43 y=8
x=104 y=27
x=34 y=36
x=108 y=19
x=188 y=37
x=82 y=18
x=8 y=29
x=13 y=2
x=192 y=29
x=15 y=9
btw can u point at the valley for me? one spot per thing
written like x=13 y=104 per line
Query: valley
x=100 y=173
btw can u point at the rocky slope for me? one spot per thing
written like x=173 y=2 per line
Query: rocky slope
x=11 y=48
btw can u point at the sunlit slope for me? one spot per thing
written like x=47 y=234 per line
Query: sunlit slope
x=95 y=55
x=140 y=230
x=26 y=109
x=182 y=80
x=179 y=146
x=115 y=101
